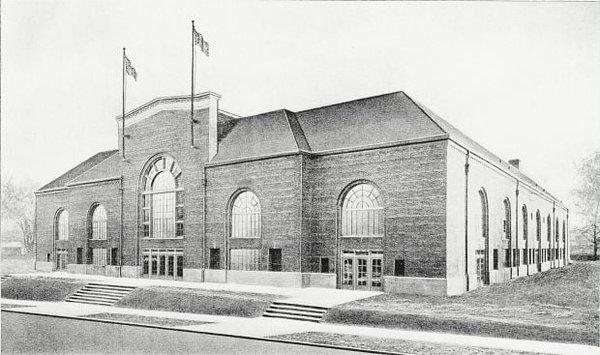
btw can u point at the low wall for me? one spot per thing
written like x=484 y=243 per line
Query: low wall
x=131 y=271
x=193 y=275
x=44 y=266
x=76 y=268
x=96 y=270
x=215 y=275
x=266 y=278
x=415 y=285
x=113 y=271
x=318 y=280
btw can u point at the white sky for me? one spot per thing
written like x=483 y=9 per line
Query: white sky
x=523 y=79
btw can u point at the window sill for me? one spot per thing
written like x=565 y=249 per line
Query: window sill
x=96 y=240
x=242 y=238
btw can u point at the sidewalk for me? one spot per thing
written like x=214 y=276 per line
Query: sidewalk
x=311 y=296
x=267 y=327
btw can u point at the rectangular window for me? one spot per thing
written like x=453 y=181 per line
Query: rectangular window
x=495 y=259
x=114 y=256
x=48 y=257
x=99 y=256
x=180 y=264
x=244 y=259
x=90 y=255
x=515 y=257
x=525 y=260
x=399 y=267
x=324 y=267
x=215 y=258
x=79 y=255
x=274 y=259
x=506 y=257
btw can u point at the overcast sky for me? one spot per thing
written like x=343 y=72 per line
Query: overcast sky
x=523 y=79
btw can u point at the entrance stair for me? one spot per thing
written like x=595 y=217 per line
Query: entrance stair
x=100 y=294
x=295 y=311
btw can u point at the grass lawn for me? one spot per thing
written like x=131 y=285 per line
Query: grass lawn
x=9 y=306
x=557 y=305
x=389 y=345
x=134 y=318
x=39 y=288
x=17 y=264
x=198 y=301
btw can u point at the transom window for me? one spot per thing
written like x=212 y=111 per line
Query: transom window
x=362 y=212
x=245 y=216
x=244 y=259
x=162 y=200
x=99 y=222
x=62 y=225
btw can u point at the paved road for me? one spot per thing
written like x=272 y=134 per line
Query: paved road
x=28 y=333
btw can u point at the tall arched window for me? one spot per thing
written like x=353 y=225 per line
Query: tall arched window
x=525 y=222
x=484 y=214
x=549 y=228
x=507 y=222
x=162 y=199
x=62 y=225
x=99 y=222
x=538 y=225
x=245 y=216
x=362 y=212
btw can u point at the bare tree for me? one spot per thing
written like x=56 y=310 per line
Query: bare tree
x=588 y=201
x=18 y=206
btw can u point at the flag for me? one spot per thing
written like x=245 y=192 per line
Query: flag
x=200 y=42
x=130 y=69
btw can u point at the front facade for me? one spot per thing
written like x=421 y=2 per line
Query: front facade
x=373 y=194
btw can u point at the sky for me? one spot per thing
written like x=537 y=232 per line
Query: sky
x=521 y=78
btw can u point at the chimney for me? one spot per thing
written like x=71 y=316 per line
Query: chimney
x=515 y=162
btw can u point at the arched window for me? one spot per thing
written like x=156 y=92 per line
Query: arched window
x=507 y=222
x=538 y=225
x=62 y=225
x=549 y=227
x=162 y=199
x=99 y=222
x=525 y=222
x=484 y=214
x=245 y=216
x=362 y=212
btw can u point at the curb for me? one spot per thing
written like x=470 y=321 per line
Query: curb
x=247 y=337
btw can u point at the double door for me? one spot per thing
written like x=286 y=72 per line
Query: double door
x=362 y=270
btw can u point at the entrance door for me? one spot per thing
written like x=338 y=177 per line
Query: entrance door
x=480 y=266
x=61 y=259
x=362 y=270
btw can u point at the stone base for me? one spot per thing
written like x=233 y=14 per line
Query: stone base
x=76 y=268
x=131 y=271
x=216 y=276
x=319 y=280
x=415 y=285
x=44 y=266
x=193 y=275
x=265 y=278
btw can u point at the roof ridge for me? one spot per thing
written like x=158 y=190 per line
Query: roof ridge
x=299 y=130
x=354 y=100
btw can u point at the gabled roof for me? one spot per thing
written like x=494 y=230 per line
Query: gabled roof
x=86 y=165
x=275 y=132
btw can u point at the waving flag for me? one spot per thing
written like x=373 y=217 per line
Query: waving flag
x=129 y=68
x=200 y=42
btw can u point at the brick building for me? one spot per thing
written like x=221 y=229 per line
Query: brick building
x=376 y=193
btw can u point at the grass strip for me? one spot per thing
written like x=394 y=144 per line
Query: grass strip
x=390 y=345
x=39 y=288
x=136 y=318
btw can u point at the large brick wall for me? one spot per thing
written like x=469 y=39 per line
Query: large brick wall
x=78 y=202
x=411 y=179
x=276 y=183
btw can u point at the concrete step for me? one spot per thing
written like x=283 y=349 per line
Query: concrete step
x=100 y=294
x=283 y=316
x=286 y=310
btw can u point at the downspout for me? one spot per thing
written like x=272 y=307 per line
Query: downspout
x=553 y=235
x=517 y=253
x=35 y=258
x=567 y=251
x=301 y=211
x=467 y=219
x=203 y=220
x=121 y=234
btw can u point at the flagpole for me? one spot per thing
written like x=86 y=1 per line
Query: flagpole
x=123 y=118
x=192 y=95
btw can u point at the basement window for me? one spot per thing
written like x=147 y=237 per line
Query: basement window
x=215 y=258
x=274 y=259
x=495 y=259
x=324 y=265
x=399 y=267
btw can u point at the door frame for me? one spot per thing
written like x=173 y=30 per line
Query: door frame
x=353 y=256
